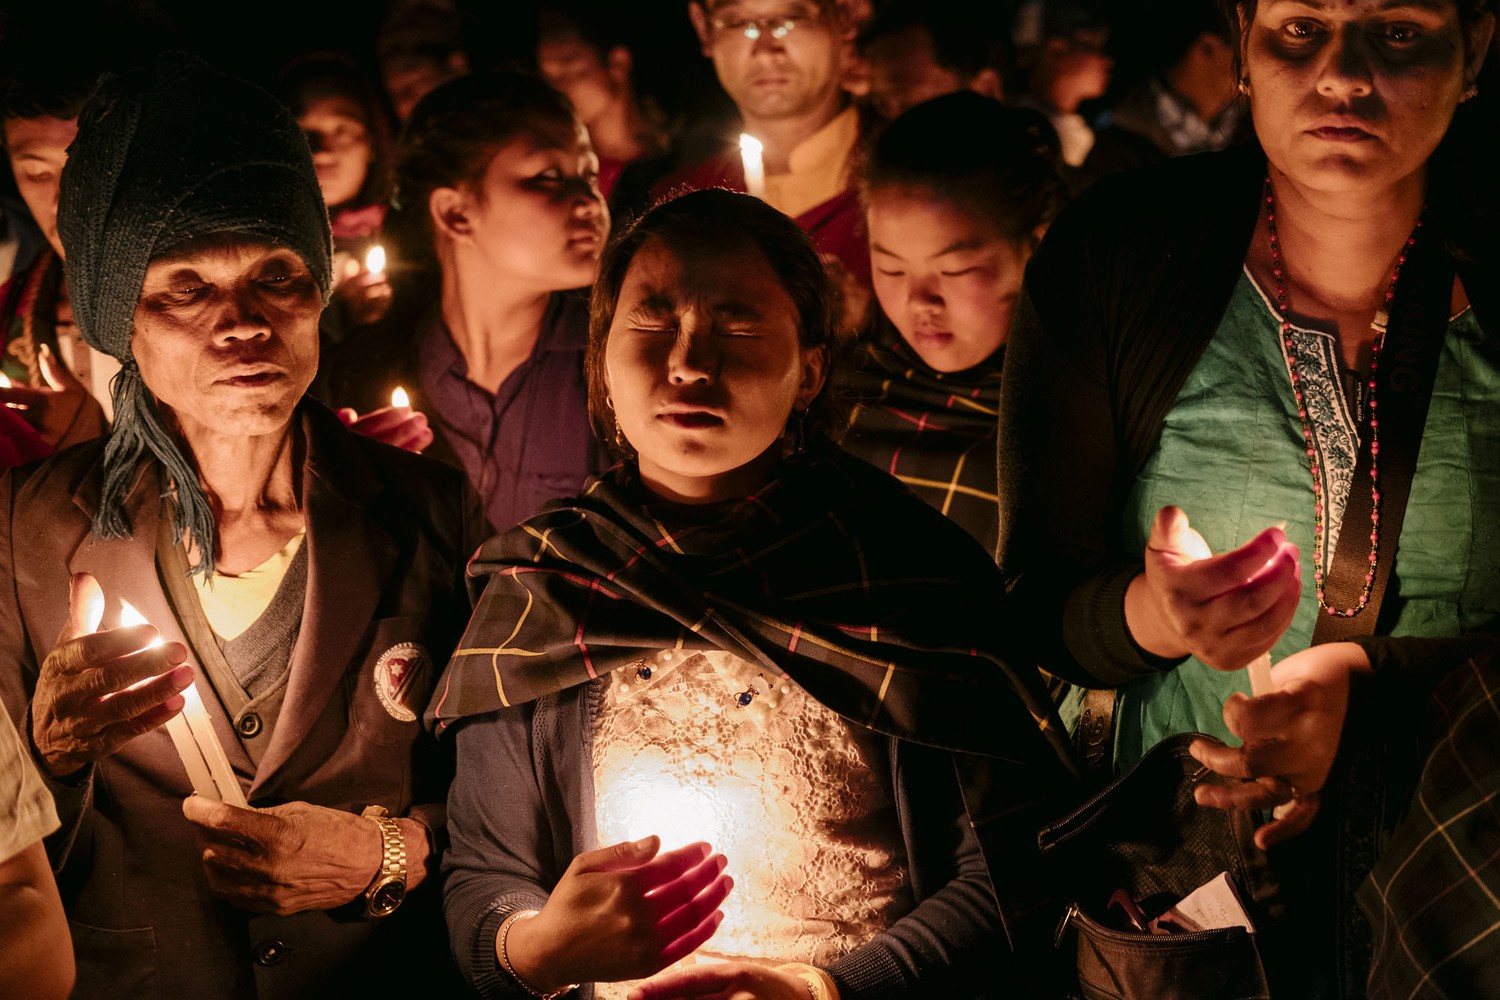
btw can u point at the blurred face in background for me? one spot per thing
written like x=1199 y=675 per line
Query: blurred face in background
x=38 y=148
x=536 y=216
x=776 y=58
x=904 y=71
x=339 y=138
x=591 y=82
x=410 y=76
x=1079 y=66
x=946 y=278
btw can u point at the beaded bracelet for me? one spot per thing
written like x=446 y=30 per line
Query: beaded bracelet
x=505 y=927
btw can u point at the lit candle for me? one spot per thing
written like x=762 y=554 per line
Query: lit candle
x=375 y=259
x=399 y=397
x=755 y=168
x=1194 y=547
x=5 y=383
x=93 y=611
x=193 y=735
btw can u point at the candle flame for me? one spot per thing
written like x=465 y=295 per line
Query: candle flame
x=93 y=611
x=400 y=398
x=4 y=382
x=375 y=259
x=1192 y=545
x=130 y=616
x=755 y=168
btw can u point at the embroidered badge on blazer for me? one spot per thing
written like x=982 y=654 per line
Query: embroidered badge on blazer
x=396 y=676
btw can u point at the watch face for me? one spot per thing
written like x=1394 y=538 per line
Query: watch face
x=387 y=897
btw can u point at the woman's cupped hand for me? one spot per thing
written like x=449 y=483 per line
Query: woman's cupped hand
x=1224 y=609
x=723 y=981
x=621 y=912
x=1291 y=738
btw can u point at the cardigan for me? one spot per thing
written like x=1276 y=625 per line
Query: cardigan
x=890 y=629
x=527 y=782
x=1119 y=303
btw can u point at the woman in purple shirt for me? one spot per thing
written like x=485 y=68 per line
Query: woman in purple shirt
x=498 y=216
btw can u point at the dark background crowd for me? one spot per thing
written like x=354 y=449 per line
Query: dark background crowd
x=995 y=608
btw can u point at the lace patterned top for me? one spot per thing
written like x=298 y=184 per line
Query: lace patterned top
x=705 y=746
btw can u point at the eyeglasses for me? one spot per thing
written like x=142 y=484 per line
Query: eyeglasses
x=752 y=28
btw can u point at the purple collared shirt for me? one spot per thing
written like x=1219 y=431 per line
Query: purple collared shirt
x=531 y=441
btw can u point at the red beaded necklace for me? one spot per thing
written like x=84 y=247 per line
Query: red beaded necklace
x=1320 y=516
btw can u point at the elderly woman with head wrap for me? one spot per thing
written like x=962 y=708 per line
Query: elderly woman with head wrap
x=298 y=579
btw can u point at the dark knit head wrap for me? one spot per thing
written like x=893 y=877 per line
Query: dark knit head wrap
x=164 y=155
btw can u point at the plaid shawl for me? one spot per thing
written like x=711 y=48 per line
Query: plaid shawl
x=831 y=574
x=933 y=431
x=1433 y=898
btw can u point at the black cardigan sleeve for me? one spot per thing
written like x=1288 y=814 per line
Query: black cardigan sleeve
x=1119 y=302
x=515 y=815
x=952 y=942
x=505 y=825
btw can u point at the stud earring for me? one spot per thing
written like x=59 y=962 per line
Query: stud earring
x=1244 y=85
x=1470 y=92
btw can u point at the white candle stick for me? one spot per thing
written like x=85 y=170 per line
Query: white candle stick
x=1260 y=675
x=193 y=735
x=202 y=729
x=192 y=759
x=755 y=169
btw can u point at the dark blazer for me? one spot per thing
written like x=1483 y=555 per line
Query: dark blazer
x=388 y=535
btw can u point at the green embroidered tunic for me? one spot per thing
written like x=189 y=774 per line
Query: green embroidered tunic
x=1232 y=456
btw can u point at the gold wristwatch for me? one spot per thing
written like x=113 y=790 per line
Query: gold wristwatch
x=389 y=887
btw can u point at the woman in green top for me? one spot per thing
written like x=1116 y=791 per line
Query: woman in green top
x=1150 y=380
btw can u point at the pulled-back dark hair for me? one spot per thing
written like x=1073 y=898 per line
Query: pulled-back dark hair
x=976 y=153
x=724 y=217
x=52 y=88
x=452 y=136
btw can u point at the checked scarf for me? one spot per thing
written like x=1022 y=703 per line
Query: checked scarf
x=933 y=431
x=1433 y=898
x=832 y=574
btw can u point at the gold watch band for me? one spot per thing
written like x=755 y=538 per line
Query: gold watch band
x=392 y=862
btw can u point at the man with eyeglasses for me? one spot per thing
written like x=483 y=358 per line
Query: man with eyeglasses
x=783 y=64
